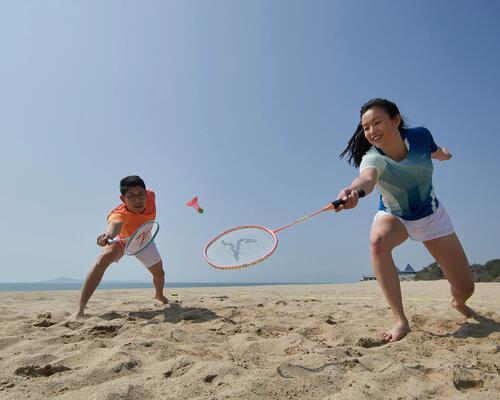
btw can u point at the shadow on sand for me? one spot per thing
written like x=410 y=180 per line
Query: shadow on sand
x=173 y=313
x=483 y=327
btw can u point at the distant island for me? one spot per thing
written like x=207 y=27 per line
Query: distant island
x=489 y=272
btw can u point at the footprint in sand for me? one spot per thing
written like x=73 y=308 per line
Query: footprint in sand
x=73 y=325
x=179 y=367
x=127 y=365
x=105 y=330
x=37 y=371
x=368 y=342
x=6 y=385
x=294 y=370
x=287 y=370
x=44 y=320
x=111 y=315
x=44 y=323
x=180 y=335
x=465 y=380
x=9 y=341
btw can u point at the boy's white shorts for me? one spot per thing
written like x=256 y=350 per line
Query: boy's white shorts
x=148 y=257
x=431 y=227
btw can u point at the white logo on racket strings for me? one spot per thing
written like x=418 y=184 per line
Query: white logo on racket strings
x=236 y=249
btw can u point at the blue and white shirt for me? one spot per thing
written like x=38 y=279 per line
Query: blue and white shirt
x=406 y=186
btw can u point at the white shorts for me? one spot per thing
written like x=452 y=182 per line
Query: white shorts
x=148 y=257
x=431 y=227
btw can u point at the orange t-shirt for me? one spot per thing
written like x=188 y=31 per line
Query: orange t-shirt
x=131 y=221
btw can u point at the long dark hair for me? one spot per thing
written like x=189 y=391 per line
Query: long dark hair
x=358 y=145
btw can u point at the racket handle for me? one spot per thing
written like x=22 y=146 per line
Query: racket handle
x=336 y=203
x=110 y=241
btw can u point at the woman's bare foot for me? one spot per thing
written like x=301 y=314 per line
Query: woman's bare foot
x=462 y=308
x=397 y=333
x=162 y=299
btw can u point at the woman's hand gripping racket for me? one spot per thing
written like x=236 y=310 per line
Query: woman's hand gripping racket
x=140 y=239
x=251 y=244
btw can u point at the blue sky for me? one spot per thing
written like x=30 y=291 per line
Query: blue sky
x=246 y=104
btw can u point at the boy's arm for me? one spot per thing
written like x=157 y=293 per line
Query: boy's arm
x=113 y=229
x=441 y=154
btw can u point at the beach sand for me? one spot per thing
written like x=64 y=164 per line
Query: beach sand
x=264 y=342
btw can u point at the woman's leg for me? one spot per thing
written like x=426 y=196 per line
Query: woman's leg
x=449 y=254
x=387 y=233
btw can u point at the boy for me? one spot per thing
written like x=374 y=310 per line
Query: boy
x=138 y=206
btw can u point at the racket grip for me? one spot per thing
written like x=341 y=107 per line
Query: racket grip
x=336 y=203
x=110 y=241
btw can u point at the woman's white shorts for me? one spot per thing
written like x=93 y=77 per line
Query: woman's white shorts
x=431 y=227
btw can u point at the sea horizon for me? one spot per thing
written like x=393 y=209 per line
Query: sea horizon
x=53 y=285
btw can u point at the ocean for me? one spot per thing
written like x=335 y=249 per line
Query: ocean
x=49 y=286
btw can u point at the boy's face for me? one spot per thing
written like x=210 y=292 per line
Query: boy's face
x=135 y=199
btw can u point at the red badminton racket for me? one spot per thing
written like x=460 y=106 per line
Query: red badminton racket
x=248 y=245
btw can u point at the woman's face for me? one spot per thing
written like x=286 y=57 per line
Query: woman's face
x=379 y=128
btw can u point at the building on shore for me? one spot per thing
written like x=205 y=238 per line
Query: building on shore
x=407 y=275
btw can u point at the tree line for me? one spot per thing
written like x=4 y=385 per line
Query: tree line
x=489 y=272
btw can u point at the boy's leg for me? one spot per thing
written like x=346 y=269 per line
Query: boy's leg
x=450 y=256
x=109 y=255
x=151 y=259
x=387 y=233
x=158 y=281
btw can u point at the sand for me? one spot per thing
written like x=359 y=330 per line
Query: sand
x=267 y=342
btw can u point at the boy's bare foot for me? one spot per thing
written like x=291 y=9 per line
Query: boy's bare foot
x=76 y=316
x=162 y=299
x=462 y=308
x=397 y=333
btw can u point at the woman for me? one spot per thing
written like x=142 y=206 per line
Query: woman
x=398 y=161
